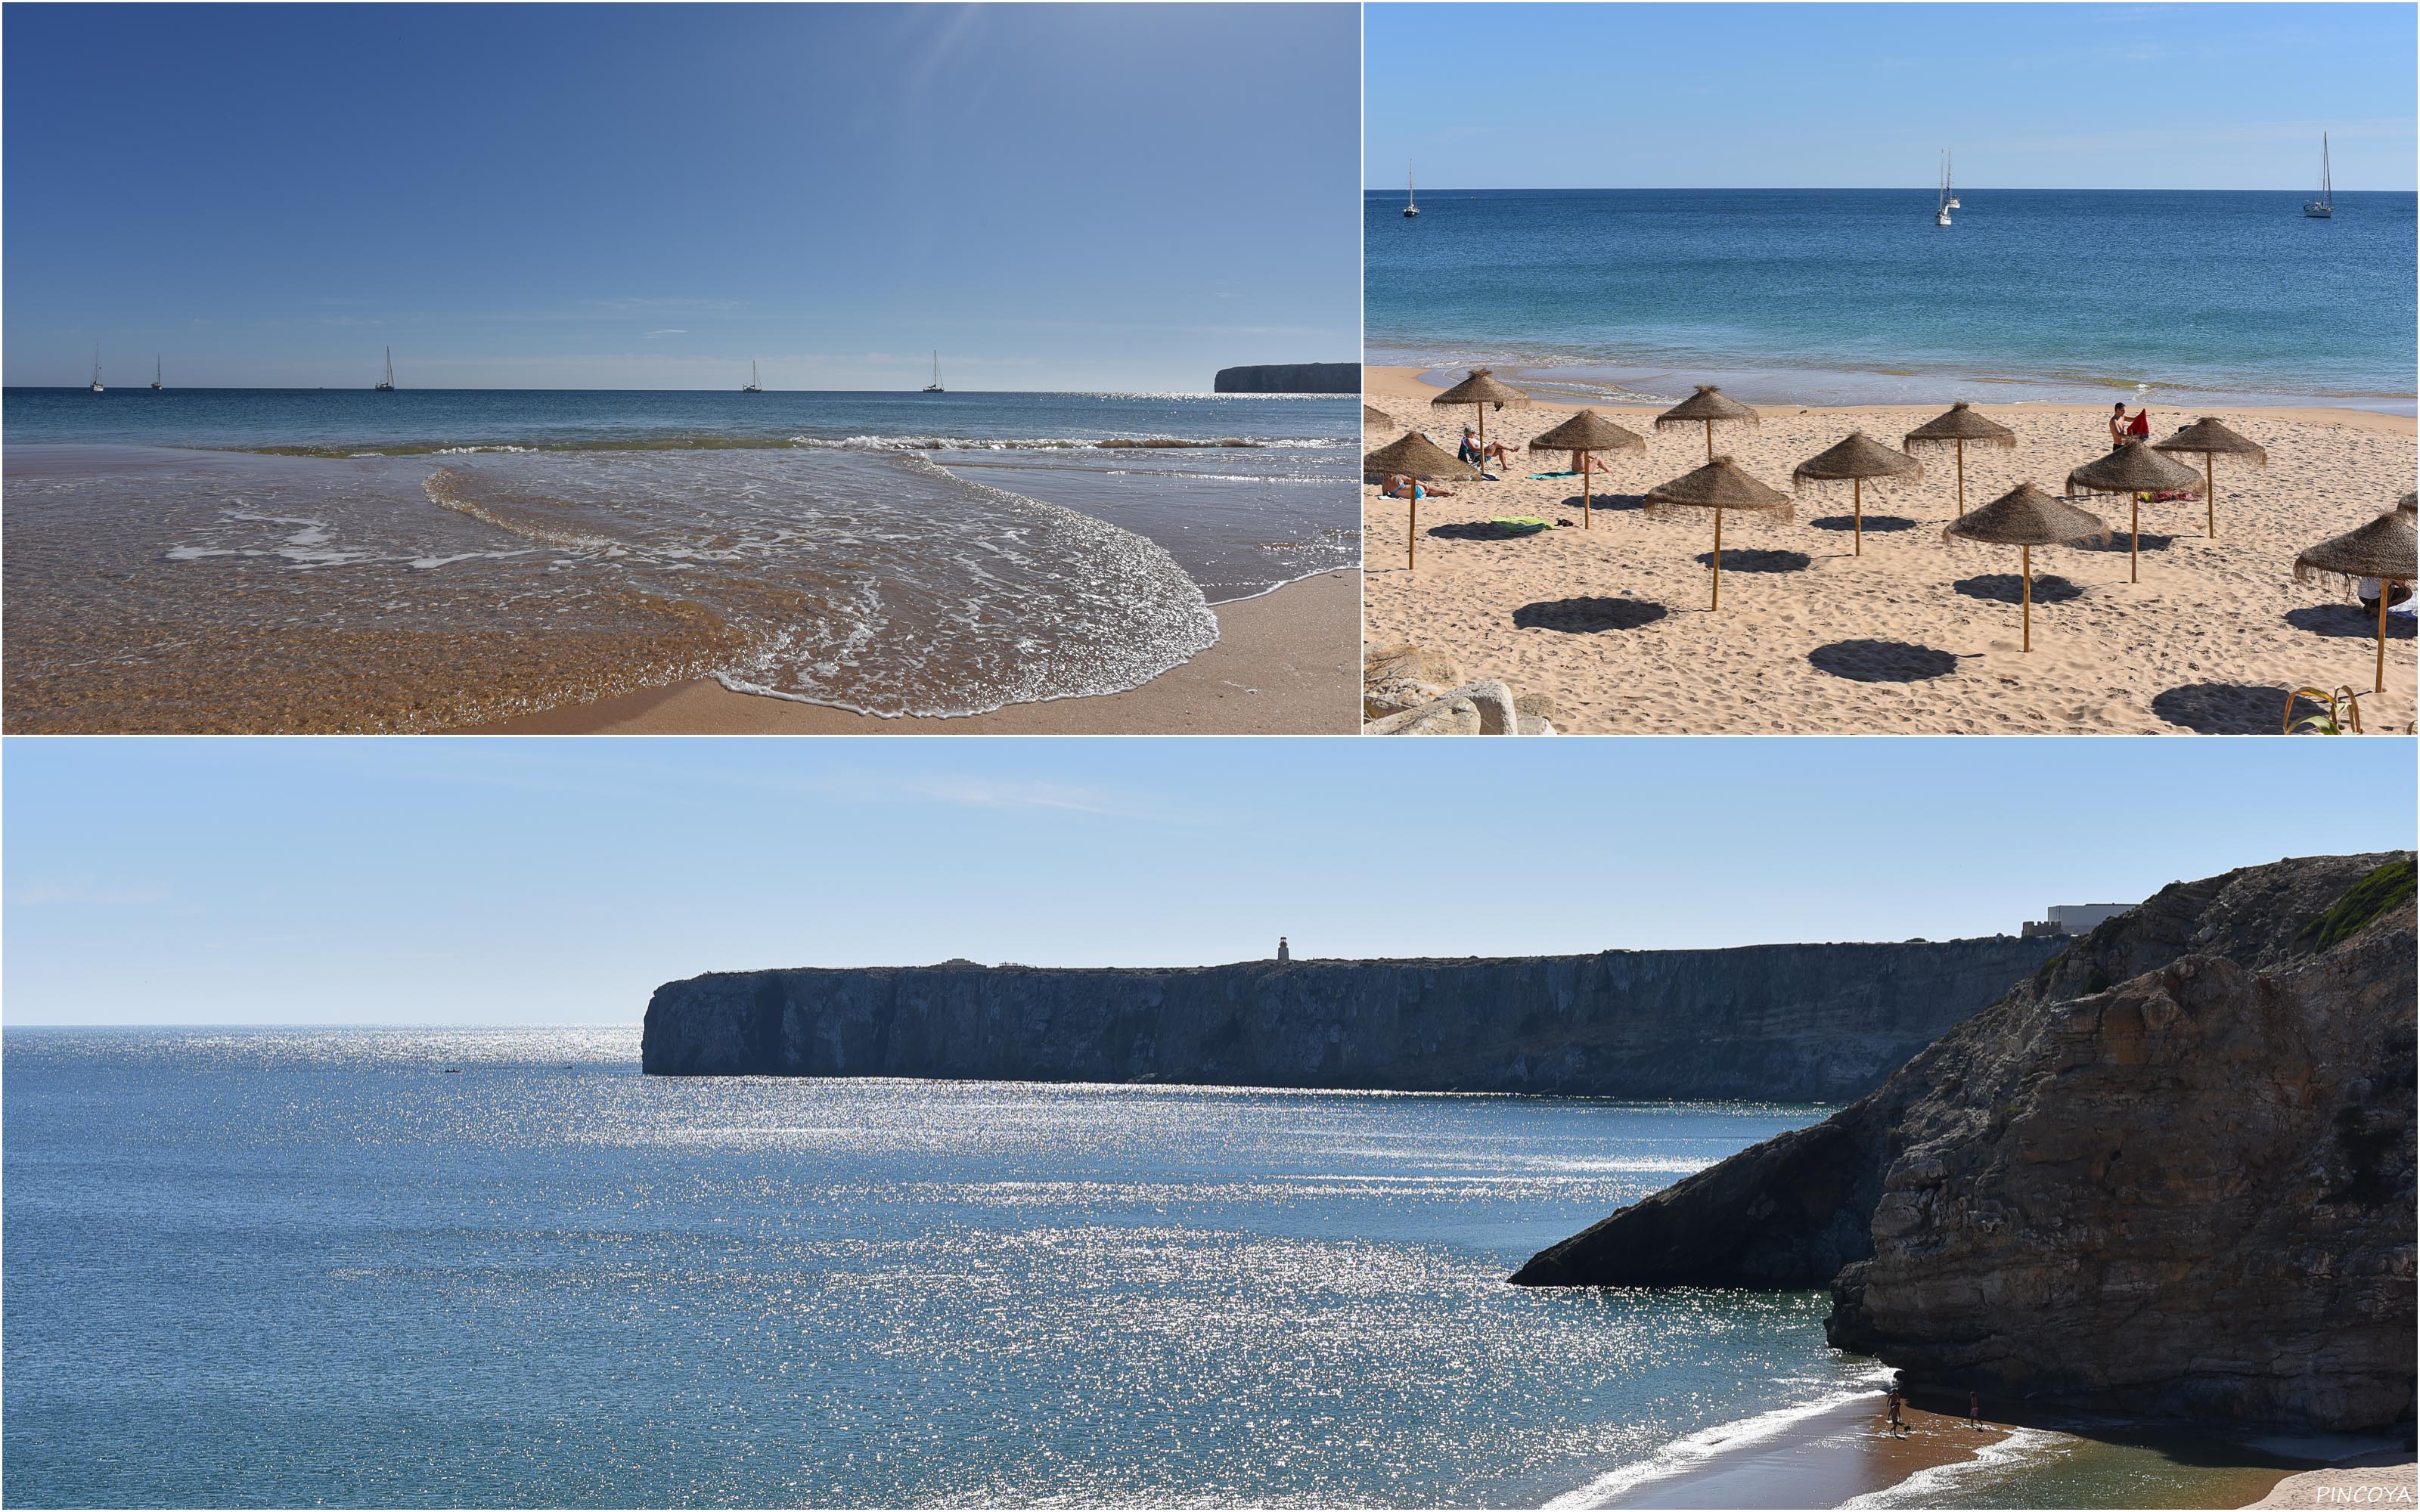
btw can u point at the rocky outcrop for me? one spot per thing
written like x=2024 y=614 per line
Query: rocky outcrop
x=1289 y=378
x=1410 y=690
x=2172 y=1172
x=1801 y=1022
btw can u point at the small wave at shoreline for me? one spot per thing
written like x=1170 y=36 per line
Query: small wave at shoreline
x=712 y=442
x=1693 y=1451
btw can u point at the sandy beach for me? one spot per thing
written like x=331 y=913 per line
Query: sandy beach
x=1284 y=665
x=1916 y=635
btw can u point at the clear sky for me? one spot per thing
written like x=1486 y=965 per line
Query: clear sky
x=1121 y=197
x=1700 y=96
x=229 y=880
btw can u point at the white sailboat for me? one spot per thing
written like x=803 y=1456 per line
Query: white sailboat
x=96 y=367
x=1411 y=201
x=386 y=384
x=1940 y=212
x=2323 y=208
x=751 y=386
x=934 y=387
x=155 y=372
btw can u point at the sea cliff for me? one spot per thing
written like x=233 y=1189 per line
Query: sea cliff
x=1794 y=1023
x=2172 y=1172
x=1289 y=378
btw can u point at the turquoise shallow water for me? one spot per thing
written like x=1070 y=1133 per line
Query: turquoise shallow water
x=317 y=1268
x=1839 y=295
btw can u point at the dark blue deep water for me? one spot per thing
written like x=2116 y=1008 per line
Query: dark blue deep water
x=1833 y=295
x=454 y=1267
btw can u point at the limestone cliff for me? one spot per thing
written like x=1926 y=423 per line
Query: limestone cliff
x=2172 y=1172
x=1289 y=378
x=1797 y=1022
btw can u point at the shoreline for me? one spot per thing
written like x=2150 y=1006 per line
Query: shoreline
x=1283 y=664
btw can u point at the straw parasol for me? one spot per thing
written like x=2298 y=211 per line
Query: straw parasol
x=1373 y=415
x=1857 y=459
x=1584 y=434
x=1479 y=391
x=2133 y=469
x=2409 y=503
x=1707 y=405
x=2385 y=548
x=2211 y=438
x=1957 y=425
x=1719 y=486
x=1421 y=460
x=2026 y=516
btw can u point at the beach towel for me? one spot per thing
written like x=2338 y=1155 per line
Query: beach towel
x=1572 y=472
x=1521 y=524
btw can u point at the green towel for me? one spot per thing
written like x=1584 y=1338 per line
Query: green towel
x=1521 y=524
x=1573 y=474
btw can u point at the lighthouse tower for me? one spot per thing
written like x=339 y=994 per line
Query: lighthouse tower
x=1283 y=955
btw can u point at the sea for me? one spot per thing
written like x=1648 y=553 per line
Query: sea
x=442 y=1268
x=1857 y=297
x=214 y=559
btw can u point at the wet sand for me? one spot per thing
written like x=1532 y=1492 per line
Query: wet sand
x=1285 y=664
x=1915 y=635
x=1819 y=1461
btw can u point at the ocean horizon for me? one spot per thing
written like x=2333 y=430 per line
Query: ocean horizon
x=1853 y=296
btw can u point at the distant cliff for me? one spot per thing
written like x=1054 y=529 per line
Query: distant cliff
x=2173 y=1172
x=1291 y=377
x=1799 y=1023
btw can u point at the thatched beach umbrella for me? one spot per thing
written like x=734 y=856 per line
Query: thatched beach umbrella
x=1958 y=425
x=1420 y=459
x=2385 y=548
x=2027 y=517
x=2211 y=438
x=2133 y=469
x=1584 y=435
x=2409 y=503
x=1708 y=405
x=1373 y=415
x=1479 y=391
x=1857 y=459
x=1719 y=486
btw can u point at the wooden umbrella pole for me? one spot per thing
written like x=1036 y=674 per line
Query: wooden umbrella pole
x=2383 y=586
x=1857 y=506
x=1709 y=440
x=2134 y=539
x=2028 y=558
x=1482 y=439
x=1962 y=477
x=2209 y=491
x=1719 y=567
x=1412 y=531
x=1584 y=490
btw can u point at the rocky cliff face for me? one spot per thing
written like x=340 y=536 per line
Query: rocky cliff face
x=1797 y=1022
x=2172 y=1172
x=1289 y=378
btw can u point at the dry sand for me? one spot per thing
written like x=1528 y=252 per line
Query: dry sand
x=1916 y=635
x=2388 y=1480
x=1284 y=663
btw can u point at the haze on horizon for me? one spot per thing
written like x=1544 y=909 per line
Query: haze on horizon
x=1098 y=198
x=485 y=881
x=1830 y=96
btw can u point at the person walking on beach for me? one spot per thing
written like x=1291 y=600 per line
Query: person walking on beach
x=1974 y=1411
x=2118 y=425
x=1897 y=1428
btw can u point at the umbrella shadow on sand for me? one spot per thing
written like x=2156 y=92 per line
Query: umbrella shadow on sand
x=1605 y=504
x=1879 y=524
x=1586 y=616
x=1882 y=661
x=2008 y=587
x=2227 y=708
x=1478 y=530
x=1758 y=561
x=2116 y=543
x=2349 y=622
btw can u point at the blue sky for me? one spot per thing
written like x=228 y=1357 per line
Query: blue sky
x=609 y=196
x=1865 y=96
x=229 y=880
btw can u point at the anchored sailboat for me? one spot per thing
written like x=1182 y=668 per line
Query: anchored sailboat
x=1949 y=176
x=386 y=384
x=2323 y=208
x=155 y=372
x=751 y=386
x=1411 y=201
x=96 y=367
x=934 y=387
x=1940 y=212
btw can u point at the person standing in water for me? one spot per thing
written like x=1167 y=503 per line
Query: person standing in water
x=1897 y=1427
x=1974 y=1411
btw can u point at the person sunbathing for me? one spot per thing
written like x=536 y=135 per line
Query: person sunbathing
x=1402 y=486
x=1497 y=453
